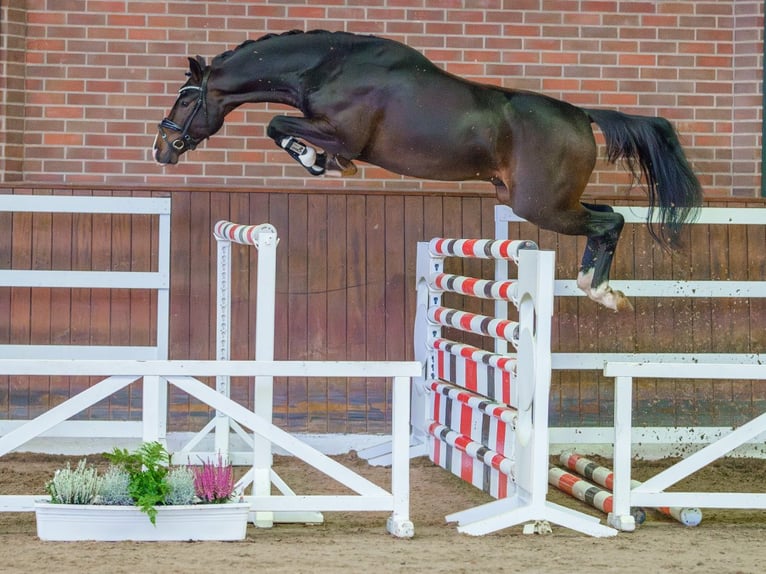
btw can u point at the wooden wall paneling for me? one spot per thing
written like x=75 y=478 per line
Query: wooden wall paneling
x=80 y=309
x=653 y=398
x=398 y=285
x=355 y=299
x=721 y=318
x=40 y=307
x=180 y=309
x=120 y=312
x=414 y=232
x=619 y=328
x=547 y=241
x=279 y=217
x=338 y=285
x=683 y=312
x=100 y=299
x=20 y=309
x=356 y=347
x=199 y=256
x=6 y=247
x=141 y=307
x=61 y=299
x=738 y=252
x=591 y=323
x=566 y=333
x=376 y=323
x=756 y=266
x=234 y=207
x=701 y=329
x=317 y=418
x=297 y=314
x=202 y=261
x=141 y=301
x=204 y=210
x=739 y=407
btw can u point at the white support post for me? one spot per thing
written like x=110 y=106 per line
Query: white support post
x=263 y=392
x=154 y=417
x=223 y=338
x=399 y=523
x=620 y=517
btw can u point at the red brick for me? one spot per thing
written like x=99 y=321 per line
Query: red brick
x=624 y=54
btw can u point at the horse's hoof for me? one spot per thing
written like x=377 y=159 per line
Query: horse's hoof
x=614 y=300
x=340 y=166
x=603 y=294
x=622 y=303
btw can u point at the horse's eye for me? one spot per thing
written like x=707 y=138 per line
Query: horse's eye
x=185 y=104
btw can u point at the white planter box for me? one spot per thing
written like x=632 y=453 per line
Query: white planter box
x=99 y=522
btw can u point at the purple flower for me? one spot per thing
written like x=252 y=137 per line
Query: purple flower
x=214 y=483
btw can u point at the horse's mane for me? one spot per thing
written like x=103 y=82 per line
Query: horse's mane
x=228 y=53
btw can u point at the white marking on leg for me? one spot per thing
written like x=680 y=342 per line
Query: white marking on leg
x=603 y=294
x=307 y=155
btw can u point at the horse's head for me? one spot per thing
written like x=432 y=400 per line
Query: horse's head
x=196 y=115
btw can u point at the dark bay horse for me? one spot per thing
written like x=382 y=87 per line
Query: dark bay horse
x=376 y=100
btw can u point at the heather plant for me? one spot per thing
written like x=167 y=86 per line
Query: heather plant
x=143 y=478
x=181 y=483
x=115 y=488
x=74 y=486
x=214 y=482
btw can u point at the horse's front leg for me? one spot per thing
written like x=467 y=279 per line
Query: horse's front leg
x=288 y=131
x=603 y=231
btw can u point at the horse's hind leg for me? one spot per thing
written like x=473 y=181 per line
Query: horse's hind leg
x=603 y=231
x=602 y=226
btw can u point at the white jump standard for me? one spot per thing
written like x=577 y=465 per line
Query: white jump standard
x=484 y=415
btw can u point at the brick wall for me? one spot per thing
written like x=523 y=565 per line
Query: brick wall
x=12 y=95
x=100 y=73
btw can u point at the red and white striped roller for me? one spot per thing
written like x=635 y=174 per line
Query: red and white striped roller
x=503 y=362
x=483 y=288
x=589 y=469
x=605 y=477
x=472 y=323
x=480 y=248
x=581 y=489
x=497 y=410
x=243 y=234
x=474 y=416
x=476 y=370
x=472 y=461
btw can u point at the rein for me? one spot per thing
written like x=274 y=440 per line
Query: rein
x=184 y=141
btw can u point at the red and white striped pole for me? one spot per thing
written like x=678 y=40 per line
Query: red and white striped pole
x=604 y=476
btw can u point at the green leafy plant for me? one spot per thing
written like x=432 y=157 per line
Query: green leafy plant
x=147 y=468
x=74 y=486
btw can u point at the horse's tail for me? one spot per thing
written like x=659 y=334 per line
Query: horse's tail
x=650 y=147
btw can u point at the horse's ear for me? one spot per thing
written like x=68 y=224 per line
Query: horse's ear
x=197 y=66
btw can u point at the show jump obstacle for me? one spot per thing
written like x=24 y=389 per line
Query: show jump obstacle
x=261 y=474
x=484 y=415
x=155 y=374
x=627 y=367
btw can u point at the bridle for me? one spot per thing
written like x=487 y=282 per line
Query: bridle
x=185 y=141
